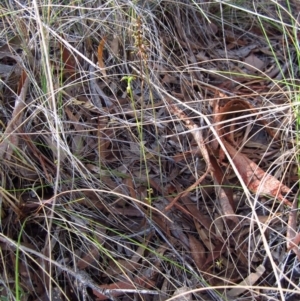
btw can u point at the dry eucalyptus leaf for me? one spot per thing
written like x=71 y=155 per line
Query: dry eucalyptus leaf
x=255 y=178
x=249 y=281
x=182 y=294
x=253 y=61
x=197 y=250
x=100 y=56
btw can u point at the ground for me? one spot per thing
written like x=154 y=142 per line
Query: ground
x=149 y=150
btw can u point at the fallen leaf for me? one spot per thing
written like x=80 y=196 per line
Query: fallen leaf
x=114 y=46
x=182 y=294
x=294 y=242
x=225 y=204
x=103 y=142
x=197 y=250
x=204 y=236
x=224 y=194
x=219 y=226
x=231 y=109
x=89 y=258
x=253 y=63
x=203 y=219
x=255 y=178
x=68 y=60
x=100 y=56
x=169 y=79
x=293 y=239
x=212 y=28
x=21 y=82
x=10 y=139
x=249 y=281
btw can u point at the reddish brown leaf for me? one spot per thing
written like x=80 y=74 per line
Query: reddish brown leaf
x=129 y=183
x=104 y=143
x=224 y=193
x=68 y=60
x=21 y=81
x=88 y=259
x=204 y=236
x=253 y=63
x=236 y=106
x=295 y=241
x=198 y=251
x=100 y=56
x=255 y=178
x=225 y=204
x=203 y=219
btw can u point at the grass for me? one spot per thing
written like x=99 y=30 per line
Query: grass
x=113 y=112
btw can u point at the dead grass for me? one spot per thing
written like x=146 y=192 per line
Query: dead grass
x=149 y=150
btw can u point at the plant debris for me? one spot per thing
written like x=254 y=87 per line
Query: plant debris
x=149 y=150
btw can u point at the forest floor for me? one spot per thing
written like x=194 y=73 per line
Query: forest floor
x=149 y=150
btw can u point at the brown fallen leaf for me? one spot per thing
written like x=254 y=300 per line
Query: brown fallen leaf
x=68 y=60
x=248 y=282
x=204 y=236
x=253 y=63
x=10 y=140
x=203 y=219
x=90 y=258
x=293 y=239
x=224 y=194
x=227 y=113
x=255 y=178
x=225 y=204
x=182 y=294
x=114 y=46
x=294 y=242
x=100 y=56
x=197 y=250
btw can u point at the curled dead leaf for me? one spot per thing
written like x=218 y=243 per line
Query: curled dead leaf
x=255 y=178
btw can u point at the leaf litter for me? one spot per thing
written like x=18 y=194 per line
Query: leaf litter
x=164 y=154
